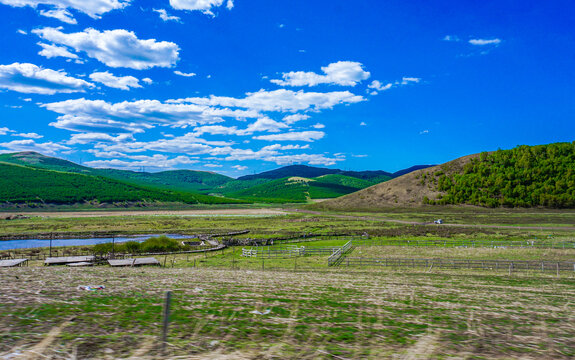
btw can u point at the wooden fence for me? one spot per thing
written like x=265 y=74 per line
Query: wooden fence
x=287 y=252
x=540 y=244
x=504 y=265
x=338 y=256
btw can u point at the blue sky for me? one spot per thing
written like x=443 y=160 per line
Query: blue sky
x=246 y=86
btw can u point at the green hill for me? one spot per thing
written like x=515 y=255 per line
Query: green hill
x=179 y=180
x=313 y=172
x=21 y=184
x=300 y=189
x=526 y=176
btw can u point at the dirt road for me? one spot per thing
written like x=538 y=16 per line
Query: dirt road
x=216 y=212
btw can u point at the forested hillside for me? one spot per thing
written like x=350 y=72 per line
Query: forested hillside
x=525 y=176
x=20 y=184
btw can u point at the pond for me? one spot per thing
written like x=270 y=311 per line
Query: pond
x=37 y=243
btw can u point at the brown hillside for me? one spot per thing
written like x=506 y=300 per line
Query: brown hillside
x=407 y=190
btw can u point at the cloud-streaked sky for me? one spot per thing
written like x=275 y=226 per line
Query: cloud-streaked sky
x=245 y=86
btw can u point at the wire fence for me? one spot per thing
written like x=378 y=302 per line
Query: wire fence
x=504 y=265
x=539 y=244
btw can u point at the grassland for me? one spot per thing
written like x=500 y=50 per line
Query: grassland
x=308 y=310
x=312 y=315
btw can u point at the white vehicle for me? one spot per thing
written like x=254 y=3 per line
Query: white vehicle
x=438 y=221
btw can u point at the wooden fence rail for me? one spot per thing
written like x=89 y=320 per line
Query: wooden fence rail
x=513 y=265
x=540 y=244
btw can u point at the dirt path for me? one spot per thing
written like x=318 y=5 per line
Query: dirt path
x=76 y=214
x=406 y=222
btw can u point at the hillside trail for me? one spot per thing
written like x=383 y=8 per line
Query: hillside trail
x=407 y=222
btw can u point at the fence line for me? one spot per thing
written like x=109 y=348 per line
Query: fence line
x=287 y=252
x=511 y=265
x=467 y=243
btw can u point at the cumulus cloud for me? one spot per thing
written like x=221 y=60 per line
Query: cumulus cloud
x=164 y=15
x=240 y=167
x=5 y=131
x=483 y=42
x=280 y=100
x=148 y=81
x=83 y=115
x=48 y=148
x=290 y=119
x=178 y=72
x=29 y=135
x=86 y=138
x=60 y=14
x=344 y=73
x=308 y=136
x=157 y=161
x=29 y=78
x=378 y=86
x=204 y=6
x=117 y=82
x=318 y=126
x=115 y=48
x=92 y=8
x=49 y=51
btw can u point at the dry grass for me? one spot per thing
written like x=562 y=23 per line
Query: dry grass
x=331 y=315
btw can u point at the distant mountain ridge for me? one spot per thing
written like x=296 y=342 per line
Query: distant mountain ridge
x=271 y=186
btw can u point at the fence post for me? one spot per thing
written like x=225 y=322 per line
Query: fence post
x=166 y=319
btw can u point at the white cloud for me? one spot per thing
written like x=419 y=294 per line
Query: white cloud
x=116 y=48
x=5 y=131
x=345 y=73
x=312 y=159
x=240 y=167
x=28 y=135
x=213 y=165
x=424 y=132
x=60 y=14
x=86 y=138
x=264 y=124
x=100 y=116
x=20 y=31
x=378 y=86
x=50 y=51
x=164 y=15
x=280 y=100
x=157 y=161
x=177 y=72
x=453 y=38
x=290 y=119
x=360 y=156
x=92 y=8
x=48 y=148
x=362 y=123
x=410 y=80
x=148 y=81
x=117 y=82
x=29 y=78
x=308 y=136
x=483 y=42
x=318 y=126
x=204 y=6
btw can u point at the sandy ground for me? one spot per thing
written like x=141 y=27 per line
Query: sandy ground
x=76 y=214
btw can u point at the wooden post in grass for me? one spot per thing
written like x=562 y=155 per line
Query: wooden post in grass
x=557 y=269
x=165 y=258
x=166 y=319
